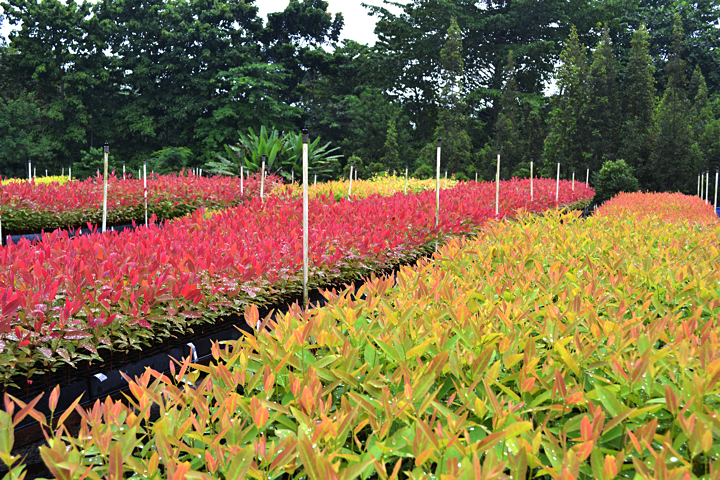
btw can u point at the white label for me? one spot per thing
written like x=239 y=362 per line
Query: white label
x=100 y=377
x=194 y=351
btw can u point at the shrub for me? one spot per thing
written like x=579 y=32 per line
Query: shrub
x=424 y=172
x=613 y=178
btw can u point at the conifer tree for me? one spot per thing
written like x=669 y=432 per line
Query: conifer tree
x=567 y=141
x=639 y=100
x=705 y=124
x=452 y=122
x=676 y=157
x=507 y=127
x=391 y=159
x=603 y=114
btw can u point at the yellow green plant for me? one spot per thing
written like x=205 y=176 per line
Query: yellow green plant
x=60 y=179
x=383 y=184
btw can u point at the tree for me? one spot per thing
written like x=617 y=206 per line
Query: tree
x=409 y=46
x=638 y=99
x=568 y=140
x=613 y=178
x=603 y=115
x=391 y=160
x=699 y=22
x=706 y=123
x=676 y=158
x=507 y=128
x=452 y=124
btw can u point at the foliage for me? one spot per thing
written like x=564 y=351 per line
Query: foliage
x=661 y=207
x=283 y=154
x=39 y=180
x=567 y=140
x=425 y=172
x=382 y=184
x=170 y=159
x=638 y=99
x=391 y=159
x=613 y=178
x=64 y=299
x=535 y=350
x=603 y=111
x=452 y=122
x=508 y=136
x=675 y=157
x=37 y=206
x=92 y=163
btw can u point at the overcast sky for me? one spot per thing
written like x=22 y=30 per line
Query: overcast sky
x=359 y=25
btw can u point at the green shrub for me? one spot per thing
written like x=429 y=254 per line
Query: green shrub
x=613 y=178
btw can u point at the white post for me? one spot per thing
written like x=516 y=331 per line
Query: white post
x=698 y=194
x=587 y=178
x=497 y=185
x=406 y=178
x=139 y=173
x=29 y=170
x=292 y=178
x=717 y=174
x=557 y=186
x=123 y=170
x=315 y=182
x=63 y=172
x=352 y=165
x=532 y=192
x=707 y=186
x=106 y=152
x=437 y=186
x=573 y=187
x=46 y=172
x=262 y=180
x=35 y=172
x=201 y=172
x=476 y=175
x=145 y=189
x=242 y=177
x=306 y=234
x=356 y=170
x=445 y=178
x=700 y=183
x=70 y=173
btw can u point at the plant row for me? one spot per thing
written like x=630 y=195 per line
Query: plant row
x=64 y=299
x=547 y=347
x=384 y=185
x=31 y=207
x=59 y=179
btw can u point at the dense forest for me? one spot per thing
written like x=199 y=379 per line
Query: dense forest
x=579 y=82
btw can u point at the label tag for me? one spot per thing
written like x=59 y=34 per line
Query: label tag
x=194 y=351
x=100 y=377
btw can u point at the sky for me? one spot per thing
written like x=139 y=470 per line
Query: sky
x=359 y=26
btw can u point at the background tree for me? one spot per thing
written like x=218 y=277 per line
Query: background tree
x=568 y=140
x=638 y=105
x=391 y=160
x=603 y=114
x=452 y=123
x=675 y=158
x=507 y=128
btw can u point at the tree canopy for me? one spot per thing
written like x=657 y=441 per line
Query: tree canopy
x=579 y=82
